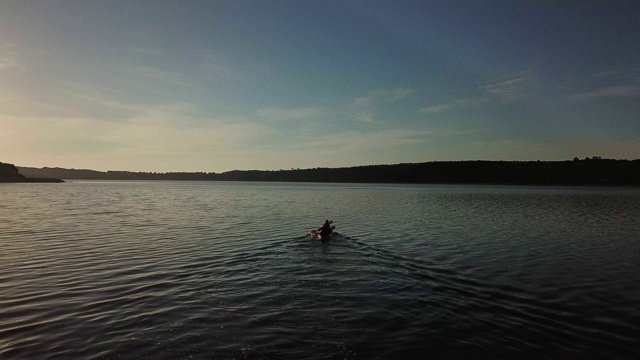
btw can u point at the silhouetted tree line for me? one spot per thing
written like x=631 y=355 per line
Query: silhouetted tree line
x=590 y=171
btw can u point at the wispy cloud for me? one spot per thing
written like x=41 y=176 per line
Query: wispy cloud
x=607 y=73
x=145 y=51
x=12 y=104
x=153 y=74
x=607 y=92
x=363 y=109
x=216 y=67
x=380 y=95
x=506 y=89
x=509 y=89
x=365 y=117
x=439 y=108
x=457 y=132
x=290 y=114
x=157 y=132
x=472 y=101
x=8 y=56
x=374 y=140
x=115 y=104
x=397 y=94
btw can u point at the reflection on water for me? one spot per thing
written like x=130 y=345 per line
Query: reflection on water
x=227 y=270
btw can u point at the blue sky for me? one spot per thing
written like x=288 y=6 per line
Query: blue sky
x=222 y=85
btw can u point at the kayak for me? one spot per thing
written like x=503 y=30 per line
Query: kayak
x=315 y=234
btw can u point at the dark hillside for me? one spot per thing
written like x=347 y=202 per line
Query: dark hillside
x=10 y=173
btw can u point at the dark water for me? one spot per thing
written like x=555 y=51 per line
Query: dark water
x=179 y=270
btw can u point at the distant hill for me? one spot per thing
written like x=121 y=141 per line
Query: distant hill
x=10 y=173
x=595 y=171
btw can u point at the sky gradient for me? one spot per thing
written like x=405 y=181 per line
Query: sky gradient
x=221 y=85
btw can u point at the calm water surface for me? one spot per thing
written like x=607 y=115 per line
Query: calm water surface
x=209 y=270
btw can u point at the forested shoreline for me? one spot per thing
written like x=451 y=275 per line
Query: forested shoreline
x=589 y=171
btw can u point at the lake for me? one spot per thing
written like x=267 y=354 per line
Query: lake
x=224 y=270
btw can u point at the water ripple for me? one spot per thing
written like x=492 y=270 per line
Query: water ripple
x=207 y=270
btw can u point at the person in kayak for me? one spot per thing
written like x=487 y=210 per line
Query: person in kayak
x=325 y=230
